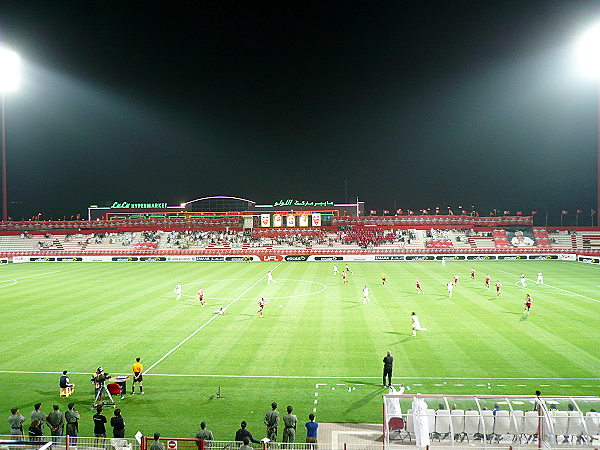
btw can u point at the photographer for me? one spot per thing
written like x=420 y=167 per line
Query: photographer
x=99 y=379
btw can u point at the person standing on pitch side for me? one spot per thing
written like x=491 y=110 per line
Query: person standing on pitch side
x=271 y=421
x=388 y=364
x=290 y=421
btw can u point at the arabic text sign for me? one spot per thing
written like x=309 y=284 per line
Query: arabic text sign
x=293 y=202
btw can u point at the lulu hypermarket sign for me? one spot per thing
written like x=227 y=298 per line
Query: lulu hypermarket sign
x=127 y=205
x=294 y=202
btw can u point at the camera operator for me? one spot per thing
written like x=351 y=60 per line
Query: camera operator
x=99 y=379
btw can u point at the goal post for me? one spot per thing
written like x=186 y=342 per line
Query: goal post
x=544 y=421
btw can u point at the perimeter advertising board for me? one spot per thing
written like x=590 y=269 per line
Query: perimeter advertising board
x=301 y=258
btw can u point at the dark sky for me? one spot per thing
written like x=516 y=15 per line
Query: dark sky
x=419 y=102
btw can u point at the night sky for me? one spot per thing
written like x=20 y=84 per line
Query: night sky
x=414 y=103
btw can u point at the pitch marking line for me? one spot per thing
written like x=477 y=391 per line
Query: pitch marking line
x=206 y=323
x=557 y=288
x=301 y=377
x=22 y=278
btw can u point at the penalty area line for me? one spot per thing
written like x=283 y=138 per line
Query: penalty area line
x=205 y=323
x=554 y=287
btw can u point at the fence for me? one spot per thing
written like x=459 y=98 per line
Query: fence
x=9 y=442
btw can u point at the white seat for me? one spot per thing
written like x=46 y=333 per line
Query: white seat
x=561 y=424
x=592 y=421
x=442 y=423
x=516 y=424
x=501 y=424
x=457 y=417
x=431 y=420
x=487 y=419
x=576 y=427
x=410 y=423
x=530 y=424
x=472 y=423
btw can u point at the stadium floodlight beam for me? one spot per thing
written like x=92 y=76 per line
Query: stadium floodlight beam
x=10 y=69
x=587 y=53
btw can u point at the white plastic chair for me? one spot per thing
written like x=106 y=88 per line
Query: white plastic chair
x=487 y=418
x=457 y=417
x=431 y=421
x=576 y=430
x=516 y=424
x=442 y=423
x=592 y=421
x=501 y=424
x=561 y=424
x=472 y=424
x=410 y=423
x=530 y=424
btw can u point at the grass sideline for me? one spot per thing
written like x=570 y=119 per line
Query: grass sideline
x=316 y=338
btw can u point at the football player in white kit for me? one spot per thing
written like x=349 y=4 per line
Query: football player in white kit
x=178 y=291
x=416 y=325
x=450 y=285
x=522 y=280
x=335 y=269
x=366 y=295
x=270 y=277
x=540 y=278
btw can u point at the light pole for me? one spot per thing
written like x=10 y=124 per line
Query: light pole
x=587 y=52
x=9 y=80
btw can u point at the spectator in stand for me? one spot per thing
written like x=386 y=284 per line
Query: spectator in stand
x=312 y=429
x=118 y=424
x=156 y=445
x=243 y=433
x=203 y=433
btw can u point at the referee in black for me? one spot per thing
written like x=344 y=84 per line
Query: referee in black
x=388 y=363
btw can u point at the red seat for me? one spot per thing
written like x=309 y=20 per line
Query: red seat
x=398 y=425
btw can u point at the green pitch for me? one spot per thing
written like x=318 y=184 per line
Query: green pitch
x=315 y=341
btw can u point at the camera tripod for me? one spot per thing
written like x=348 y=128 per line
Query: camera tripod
x=107 y=401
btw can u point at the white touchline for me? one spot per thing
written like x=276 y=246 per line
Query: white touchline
x=38 y=275
x=554 y=287
x=205 y=323
x=303 y=377
x=31 y=276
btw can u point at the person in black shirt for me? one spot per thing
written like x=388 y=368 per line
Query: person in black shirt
x=35 y=430
x=65 y=383
x=242 y=433
x=99 y=421
x=388 y=363
x=118 y=424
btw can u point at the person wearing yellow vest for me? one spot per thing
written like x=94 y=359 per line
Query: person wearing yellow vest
x=137 y=376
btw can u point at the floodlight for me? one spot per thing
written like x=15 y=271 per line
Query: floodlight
x=587 y=52
x=10 y=69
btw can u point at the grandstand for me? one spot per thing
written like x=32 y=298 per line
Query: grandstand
x=348 y=235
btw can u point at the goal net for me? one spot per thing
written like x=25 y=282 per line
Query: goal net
x=542 y=422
